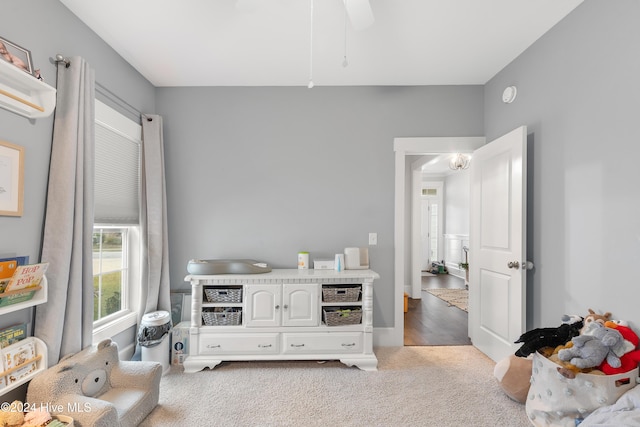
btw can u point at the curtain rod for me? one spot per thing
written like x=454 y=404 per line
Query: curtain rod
x=101 y=89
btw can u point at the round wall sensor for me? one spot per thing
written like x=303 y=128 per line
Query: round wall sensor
x=509 y=94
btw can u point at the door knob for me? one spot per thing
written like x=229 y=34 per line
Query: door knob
x=514 y=264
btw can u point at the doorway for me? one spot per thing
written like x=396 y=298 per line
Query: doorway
x=438 y=314
x=407 y=151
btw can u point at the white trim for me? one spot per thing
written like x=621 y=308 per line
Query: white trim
x=408 y=147
x=116 y=122
x=112 y=329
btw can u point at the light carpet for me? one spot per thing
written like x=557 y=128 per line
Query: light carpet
x=456 y=297
x=414 y=386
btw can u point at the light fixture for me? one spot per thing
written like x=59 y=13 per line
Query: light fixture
x=345 y=62
x=459 y=161
x=310 y=85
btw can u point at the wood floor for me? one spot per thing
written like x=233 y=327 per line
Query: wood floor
x=431 y=321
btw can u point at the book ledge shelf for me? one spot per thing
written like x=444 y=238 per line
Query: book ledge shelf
x=31 y=353
x=24 y=94
x=23 y=298
x=20 y=291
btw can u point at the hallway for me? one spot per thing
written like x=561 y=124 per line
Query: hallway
x=431 y=321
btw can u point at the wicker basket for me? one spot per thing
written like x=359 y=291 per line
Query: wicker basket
x=223 y=295
x=340 y=294
x=222 y=317
x=339 y=317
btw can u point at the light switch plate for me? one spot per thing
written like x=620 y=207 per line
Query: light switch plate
x=373 y=239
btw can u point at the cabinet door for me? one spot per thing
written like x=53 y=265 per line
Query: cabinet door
x=263 y=305
x=300 y=304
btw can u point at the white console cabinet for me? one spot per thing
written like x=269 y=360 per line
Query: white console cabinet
x=285 y=314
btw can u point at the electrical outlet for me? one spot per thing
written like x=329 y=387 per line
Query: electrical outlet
x=373 y=239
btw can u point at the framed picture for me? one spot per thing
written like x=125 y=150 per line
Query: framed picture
x=16 y=55
x=11 y=179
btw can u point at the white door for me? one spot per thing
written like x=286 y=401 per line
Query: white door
x=497 y=282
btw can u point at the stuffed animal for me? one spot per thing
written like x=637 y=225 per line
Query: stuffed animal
x=537 y=339
x=595 y=317
x=13 y=415
x=591 y=350
x=566 y=369
x=630 y=357
x=514 y=375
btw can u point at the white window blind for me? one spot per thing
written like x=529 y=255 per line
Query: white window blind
x=117 y=168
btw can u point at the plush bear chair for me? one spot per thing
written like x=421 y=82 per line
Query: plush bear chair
x=97 y=389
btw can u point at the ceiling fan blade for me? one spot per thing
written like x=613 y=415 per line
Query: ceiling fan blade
x=360 y=13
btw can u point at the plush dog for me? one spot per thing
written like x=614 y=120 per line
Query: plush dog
x=537 y=339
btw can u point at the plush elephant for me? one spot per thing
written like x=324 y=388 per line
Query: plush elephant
x=591 y=350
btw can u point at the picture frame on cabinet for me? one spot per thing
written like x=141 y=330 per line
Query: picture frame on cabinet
x=11 y=179
x=16 y=55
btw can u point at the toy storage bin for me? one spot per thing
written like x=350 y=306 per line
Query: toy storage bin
x=555 y=400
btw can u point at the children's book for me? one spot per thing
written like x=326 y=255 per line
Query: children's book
x=22 y=259
x=7 y=268
x=12 y=334
x=27 y=276
x=16 y=355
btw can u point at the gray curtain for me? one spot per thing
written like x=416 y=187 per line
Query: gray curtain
x=155 y=271
x=65 y=322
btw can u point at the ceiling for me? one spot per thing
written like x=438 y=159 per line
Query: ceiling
x=268 y=42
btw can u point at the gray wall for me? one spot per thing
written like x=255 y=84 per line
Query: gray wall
x=578 y=92
x=46 y=27
x=263 y=173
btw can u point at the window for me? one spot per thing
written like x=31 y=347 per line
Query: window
x=116 y=230
x=110 y=272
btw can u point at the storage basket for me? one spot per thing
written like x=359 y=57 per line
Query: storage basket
x=556 y=401
x=340 y=317
x=222 y=317
x=223 y=295
x=340 y=294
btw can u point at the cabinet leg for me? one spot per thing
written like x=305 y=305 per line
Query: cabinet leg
x=192 y=364
x=364 y=363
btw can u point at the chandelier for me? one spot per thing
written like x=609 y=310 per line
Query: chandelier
x=459 y=161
